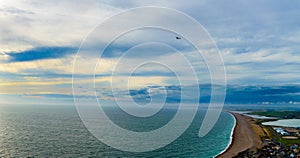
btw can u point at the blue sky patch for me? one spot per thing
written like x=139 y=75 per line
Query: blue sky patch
x=40 y=53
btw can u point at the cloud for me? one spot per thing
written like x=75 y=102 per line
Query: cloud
x=262 y=66
x=57 y=66
x=259 y=41
x=13 y=10
x=69 y=96
x=40 y=53
x=140 y=95
x=64 y=23
x=254 y=94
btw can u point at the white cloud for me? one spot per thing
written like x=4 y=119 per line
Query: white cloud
x=52 y=23
x=257 y=41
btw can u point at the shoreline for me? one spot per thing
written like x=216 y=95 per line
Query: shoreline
x=231 y=138
x=243 y=137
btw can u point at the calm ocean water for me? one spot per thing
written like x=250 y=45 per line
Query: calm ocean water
x=57 y=131
x=284 y=123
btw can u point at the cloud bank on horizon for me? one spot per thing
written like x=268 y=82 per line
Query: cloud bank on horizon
x=259 y=42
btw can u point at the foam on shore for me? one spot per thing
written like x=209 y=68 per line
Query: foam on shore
x=231 y=137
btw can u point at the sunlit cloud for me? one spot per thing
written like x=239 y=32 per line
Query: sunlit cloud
x=259 y=45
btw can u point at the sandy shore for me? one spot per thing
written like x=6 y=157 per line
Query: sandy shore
x=246 y=135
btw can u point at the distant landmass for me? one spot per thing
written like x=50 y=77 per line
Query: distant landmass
x=247 y=94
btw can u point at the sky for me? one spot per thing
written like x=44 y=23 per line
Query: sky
x=258 y=40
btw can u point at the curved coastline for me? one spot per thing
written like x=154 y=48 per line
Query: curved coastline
x=244 y=136
x=231 y=137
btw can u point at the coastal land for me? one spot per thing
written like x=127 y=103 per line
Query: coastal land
x=246 y=136
x=252 y=137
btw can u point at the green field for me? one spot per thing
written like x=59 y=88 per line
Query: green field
x=288 y=141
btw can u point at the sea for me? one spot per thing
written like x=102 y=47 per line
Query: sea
x=57 y=131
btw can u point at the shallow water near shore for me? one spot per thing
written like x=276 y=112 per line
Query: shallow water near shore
x=284 y=123
x=56 y=131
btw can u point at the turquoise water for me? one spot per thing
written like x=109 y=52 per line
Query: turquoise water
x=57 y=131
